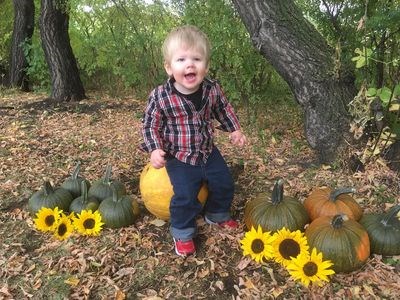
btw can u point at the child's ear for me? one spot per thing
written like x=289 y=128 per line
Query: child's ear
x=168 y=69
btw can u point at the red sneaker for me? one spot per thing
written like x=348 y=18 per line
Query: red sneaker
x=184 y=248
x=229 y=224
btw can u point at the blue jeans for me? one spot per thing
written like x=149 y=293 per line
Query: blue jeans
x=186 y=180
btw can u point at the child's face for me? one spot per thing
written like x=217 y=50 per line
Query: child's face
x=189 y=67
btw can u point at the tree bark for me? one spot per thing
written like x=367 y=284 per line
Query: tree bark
x=53 y=23
x=304 y=60
x=24 y=16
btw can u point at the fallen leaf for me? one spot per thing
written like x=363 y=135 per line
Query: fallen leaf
x=243 y=263
x=74 y=281
x=120 y=295
x=219 y=284
x=158 y=222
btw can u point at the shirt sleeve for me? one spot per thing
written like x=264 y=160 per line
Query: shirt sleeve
x=224 y=112
x=152 y=125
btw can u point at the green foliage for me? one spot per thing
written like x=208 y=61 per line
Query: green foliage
x=117 y=45
x=366 y=33
x=378 y=63
x=362 y=57
x=247 y=78
x=336 y=21
x=6 y=25
x=37 y=71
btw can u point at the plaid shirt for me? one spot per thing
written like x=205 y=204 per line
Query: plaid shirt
x=172 y=123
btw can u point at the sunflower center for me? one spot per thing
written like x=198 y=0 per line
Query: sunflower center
x=257 y=246
x=89 y=223
x=49 y=220
x=62 y=229
x=310 y=269
x=289 y=248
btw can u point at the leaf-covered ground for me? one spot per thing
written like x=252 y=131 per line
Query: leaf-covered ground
x=40 y=140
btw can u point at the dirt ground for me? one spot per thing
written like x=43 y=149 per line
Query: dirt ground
x=41 y=140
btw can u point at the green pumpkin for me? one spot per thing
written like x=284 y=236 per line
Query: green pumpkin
x=119 y=210
x=384 y=231
x=49 y=197
x=341 y=240
x=102 y=189
x=73 y=183
x=275 y=211
x=84 y=202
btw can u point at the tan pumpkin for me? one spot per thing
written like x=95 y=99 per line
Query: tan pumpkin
x=156 y=191
x=323 y=201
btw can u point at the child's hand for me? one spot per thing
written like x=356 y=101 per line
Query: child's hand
x=157 y=158
x=238 y=138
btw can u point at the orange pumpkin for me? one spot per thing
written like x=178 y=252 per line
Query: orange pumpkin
x=156 y=191
x=323 y=201
x=342 y=240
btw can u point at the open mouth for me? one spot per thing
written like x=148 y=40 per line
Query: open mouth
x=190 y=76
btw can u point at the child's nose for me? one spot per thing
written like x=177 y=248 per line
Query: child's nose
x=191 y=62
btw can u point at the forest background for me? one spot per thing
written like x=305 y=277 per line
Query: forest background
x=117 y=48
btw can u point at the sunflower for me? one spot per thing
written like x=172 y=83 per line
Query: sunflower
x=88 y=222
x=288 y=244
x=63 y=227
x=310 y=268
x=46 y=218
x=257 y=244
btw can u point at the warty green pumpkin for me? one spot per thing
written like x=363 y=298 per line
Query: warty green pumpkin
x=275 y=211
x=384 y=231
x=84 y=202
x=102 y=188
x=119 y=210
x=73 y=183
x=342 y=240
x=49 y=197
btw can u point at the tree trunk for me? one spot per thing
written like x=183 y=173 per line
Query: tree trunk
x=305 y=61
x=24 y=16
x=65 y=80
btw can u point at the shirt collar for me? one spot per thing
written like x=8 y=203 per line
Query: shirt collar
x=206 y=83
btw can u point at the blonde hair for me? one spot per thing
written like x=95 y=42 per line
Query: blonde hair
x=188 y=36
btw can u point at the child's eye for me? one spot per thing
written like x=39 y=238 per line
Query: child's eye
x=180 y=59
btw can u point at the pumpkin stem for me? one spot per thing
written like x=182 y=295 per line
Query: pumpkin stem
x=336 y=193
x=76 y=170
x=338 y=220
x=114 y=194
x=84 y=191
x=277 y=192
x=390 y=214
x=107 y=175
x=47 y=188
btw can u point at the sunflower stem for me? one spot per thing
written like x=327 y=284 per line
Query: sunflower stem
x=336 y=193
